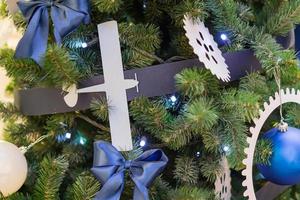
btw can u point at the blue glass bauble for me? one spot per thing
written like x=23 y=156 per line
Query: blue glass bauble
x=285 y=160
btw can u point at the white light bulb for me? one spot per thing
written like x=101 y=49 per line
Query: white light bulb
x=198 y=154
x=84 y=45
x=223 y=37
x=142 y=142
x=173 y=98
x=68 y=135
x=226 y=148
x=81 y=141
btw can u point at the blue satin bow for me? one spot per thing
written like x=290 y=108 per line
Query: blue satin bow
x=109 y=167
x=66 y=16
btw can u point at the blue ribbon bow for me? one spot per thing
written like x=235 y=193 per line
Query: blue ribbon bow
x=66 y=16
x=109 y=167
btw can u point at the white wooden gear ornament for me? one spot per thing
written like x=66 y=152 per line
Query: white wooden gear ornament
x=223 y=182
x=288 y=95
x=206 y=48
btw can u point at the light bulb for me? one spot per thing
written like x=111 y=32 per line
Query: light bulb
x=82 y=140
x=224 y=37
x=68 y=135
x=173 y=98
x=226 y=148
x=84 y=45
x=143 y=141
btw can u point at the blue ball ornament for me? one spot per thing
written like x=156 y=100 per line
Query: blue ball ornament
x=284 y=168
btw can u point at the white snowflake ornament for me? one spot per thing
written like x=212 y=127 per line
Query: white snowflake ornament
x=206 y=48
x=223 y=182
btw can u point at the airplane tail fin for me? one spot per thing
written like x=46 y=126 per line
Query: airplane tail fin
x=72 y=97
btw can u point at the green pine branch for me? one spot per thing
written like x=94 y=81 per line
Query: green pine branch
x=77 y=155
x=245 y=103
x=51 y=174
x=107 y=6
x=140 y=42
x=57 y=123
x=22 y=71
x=201 y=114
x=267 y=50
x=178 y=134
x=255 y=83
x=284 y=19
x=293 y=115
x=186 y=170
x=144 y=37
x=210 y=167
x=59 y=69
x=195 y=9
x=99 y=108
x=158 y=189
x=191 y=193
x=3 y=9
x=263 y=152
x=85 y=187
x=16 y=196
x=213 y=140
x=196 y=82
x=152 y=116
x=235 y=132
x=8 y=111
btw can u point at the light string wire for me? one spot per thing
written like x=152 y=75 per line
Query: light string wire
x=277 y=75
x=40 y=139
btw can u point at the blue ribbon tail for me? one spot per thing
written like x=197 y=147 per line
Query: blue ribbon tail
x=34 y=42
x=112 y=189
x=140 y=192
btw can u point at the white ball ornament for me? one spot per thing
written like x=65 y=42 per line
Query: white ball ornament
x=13 y=168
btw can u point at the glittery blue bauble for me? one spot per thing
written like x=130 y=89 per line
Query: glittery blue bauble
x=285 y=160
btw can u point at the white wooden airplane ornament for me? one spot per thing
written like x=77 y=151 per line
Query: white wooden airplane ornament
x=114 y=85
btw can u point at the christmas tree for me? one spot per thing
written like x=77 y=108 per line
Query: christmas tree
x=195 y=127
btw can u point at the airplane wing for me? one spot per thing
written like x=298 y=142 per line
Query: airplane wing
x=115 y=85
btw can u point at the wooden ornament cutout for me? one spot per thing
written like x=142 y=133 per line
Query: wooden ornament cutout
x=114 y=85
x=223 y=182
x=12 y=6
x=71 y=98
x=206 y=48
x=288 y=95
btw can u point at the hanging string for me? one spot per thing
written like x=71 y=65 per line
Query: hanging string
x=277 y=75
x=40 y=139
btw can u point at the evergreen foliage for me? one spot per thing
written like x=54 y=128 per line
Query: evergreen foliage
x=84 y=188
x=50 y=177
x=196 y=82
x=191 y=193
x=187 y=171
x=206 y=122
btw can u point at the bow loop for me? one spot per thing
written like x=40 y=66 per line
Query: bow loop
x=109 y=166
x=66 y=15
